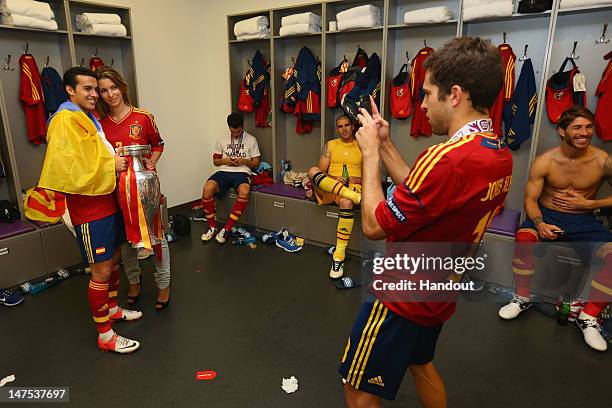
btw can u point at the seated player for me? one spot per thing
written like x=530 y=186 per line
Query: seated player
x=236 y=155
x=559 y=200
x=332 y=186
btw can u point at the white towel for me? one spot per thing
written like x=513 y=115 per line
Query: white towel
x=110 y=30
x=360 y=11
x=301 y=18
x=359 y=22
x=30 y=22
x=253 y=25
x=488 y=10
x=96 y=18
x=583 y=3
x=478 y=3
x=293 y=29
x=428 y=15
x=260 y=35
x=28 y=8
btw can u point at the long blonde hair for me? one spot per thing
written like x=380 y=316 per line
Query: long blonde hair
x=110 y=73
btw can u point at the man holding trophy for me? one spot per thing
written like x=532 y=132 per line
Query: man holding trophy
x=80 y=163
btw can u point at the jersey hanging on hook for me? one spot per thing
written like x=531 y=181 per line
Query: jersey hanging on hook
x=603 y=113
x=32 y=100
x=95 y=62
x=419 y=126
x=53 y=90
x=507 y=90
x=560 y=94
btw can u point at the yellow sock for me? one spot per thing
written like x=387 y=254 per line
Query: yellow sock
x=343 y=233
x=330 y=185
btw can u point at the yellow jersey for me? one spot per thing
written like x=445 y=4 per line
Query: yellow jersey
x=342 y=153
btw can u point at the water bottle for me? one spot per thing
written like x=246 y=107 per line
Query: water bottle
x=282 y=171
x=564 y=310
x=345 y=175
x=40 y=286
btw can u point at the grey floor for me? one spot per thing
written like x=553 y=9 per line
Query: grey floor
x=256 y=316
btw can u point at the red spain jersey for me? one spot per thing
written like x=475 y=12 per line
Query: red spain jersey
x=451 y=194
x=136 y=128
x=84 y=208
x=507 y=89
x=32 y=100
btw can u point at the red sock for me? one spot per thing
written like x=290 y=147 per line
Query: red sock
x=239 y=206
x=601 y=285
x=523 y=266
x=594 y=308
x=113 y=287
x=209 y=211
x=97 y=295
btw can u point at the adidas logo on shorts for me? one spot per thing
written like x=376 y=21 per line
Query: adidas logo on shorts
x=377 y=381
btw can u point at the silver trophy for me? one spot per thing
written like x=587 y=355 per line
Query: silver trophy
x=147 y=184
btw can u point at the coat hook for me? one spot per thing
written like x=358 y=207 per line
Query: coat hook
x=573 y=54
x=112 y=62
x=407 y=56
x=603 y=39
x=525 y=57
x=504 y=37
x=27 y=48
x=47 y=62
x=7 y=64
x=82 y=62
x=96 y=52
x=425 y=43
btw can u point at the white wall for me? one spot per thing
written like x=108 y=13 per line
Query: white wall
x=181 y=54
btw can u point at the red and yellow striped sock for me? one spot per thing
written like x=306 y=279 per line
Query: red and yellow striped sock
x=97 y=295
x=209 y=211
x=237 y=210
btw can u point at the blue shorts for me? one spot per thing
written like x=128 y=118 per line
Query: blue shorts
x=382 y=346
x=583 y=227
x=229 y=179
x=99 y=239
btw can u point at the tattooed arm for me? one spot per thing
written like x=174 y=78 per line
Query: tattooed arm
x=325 y=158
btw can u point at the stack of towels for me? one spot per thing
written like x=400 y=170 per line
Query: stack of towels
x=366 y=16
x=583 y=3
x=252 y=28
x=475 y=9
x=101 y=24
x=28 y=13
x=428 y=15
x=302 y=23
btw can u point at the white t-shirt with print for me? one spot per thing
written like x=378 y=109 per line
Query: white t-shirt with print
x=246 y=148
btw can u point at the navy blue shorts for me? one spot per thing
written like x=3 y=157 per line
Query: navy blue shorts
x=583 y=227
x=99 y=239
x=382 y=346
x=229 y=179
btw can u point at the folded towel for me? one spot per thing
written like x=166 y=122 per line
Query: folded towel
x=110 y=30
x=30 y=22
x=488 y=10
x=478 y=3
x=293 y=29
x=359 y=22
x=96 y=18
x=262 y=34
x=253 y=25
x=428 y=15
x=27 y=8
x=582 y=3
x=356 y=12
x=301 y=18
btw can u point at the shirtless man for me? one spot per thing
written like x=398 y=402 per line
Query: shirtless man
x=559 y=200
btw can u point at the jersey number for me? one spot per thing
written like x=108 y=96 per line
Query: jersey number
x=483 y=224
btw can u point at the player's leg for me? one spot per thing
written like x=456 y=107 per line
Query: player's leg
x=429 y=385
x=523 y=270
x=359 y=399
x=346 y=219
x=240 y=182
x=162 y=275
x=211 y=188
x=326 y=183
x=129 y=256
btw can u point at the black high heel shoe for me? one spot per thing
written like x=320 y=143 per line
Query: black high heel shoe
x=159 y=306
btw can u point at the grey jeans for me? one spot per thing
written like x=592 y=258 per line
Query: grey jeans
x=129 y=255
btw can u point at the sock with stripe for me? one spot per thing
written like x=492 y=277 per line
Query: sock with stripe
x=601 y=285
x=343 y=233
x=209 y=211
x=97 y=295
x=106 y=336
x=523 y=264
x=237 y=210
x=326 y=183
x=113 y=289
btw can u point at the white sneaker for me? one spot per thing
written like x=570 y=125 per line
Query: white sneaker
x=592 y=333
x=126 y=314
x=514 y=308
x=119 y=344
x=208 y=235
x=222 y=236
x=337 y=269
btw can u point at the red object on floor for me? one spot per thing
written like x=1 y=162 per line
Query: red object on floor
x=206 y=375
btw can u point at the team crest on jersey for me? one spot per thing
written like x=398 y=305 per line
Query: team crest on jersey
x=559 y=95
x=135 y=131
x=334 y=82
x=400 y=92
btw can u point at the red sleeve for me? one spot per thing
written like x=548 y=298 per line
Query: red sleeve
x=152 y=135
x=423 y=197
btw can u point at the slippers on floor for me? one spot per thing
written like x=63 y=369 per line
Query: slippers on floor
x=347 y=283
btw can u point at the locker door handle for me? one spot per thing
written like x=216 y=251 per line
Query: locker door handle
x=4 y=251
x=278 y=204
x=331 y=214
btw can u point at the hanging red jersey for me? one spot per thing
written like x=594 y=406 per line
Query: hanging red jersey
x=400 y=97
x=507 y=89
x=137 y=128
x=560 y=94
x=31 y=96
x=603 y=113
x=420 y=124
x=95 y=63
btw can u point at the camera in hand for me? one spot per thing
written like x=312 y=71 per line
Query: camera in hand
x=352 y=106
